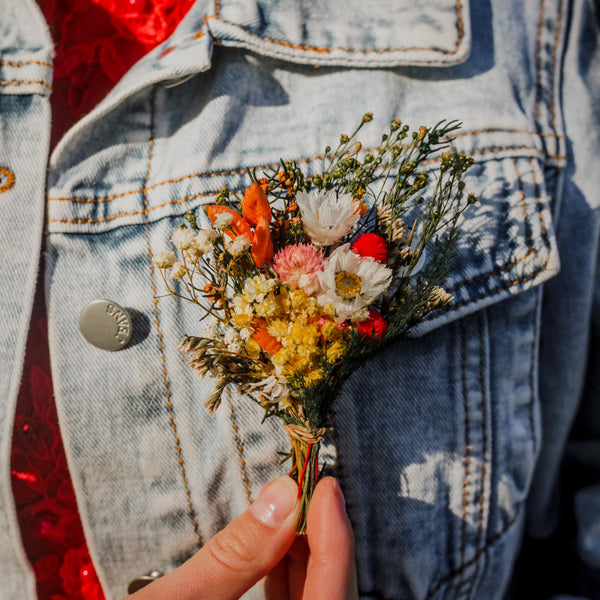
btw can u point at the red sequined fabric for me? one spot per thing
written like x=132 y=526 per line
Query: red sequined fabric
x=96 y=42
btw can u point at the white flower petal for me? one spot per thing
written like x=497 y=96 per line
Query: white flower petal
x=327 y=217
x=375 y=279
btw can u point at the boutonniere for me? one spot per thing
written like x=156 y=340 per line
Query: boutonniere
x=301 y=279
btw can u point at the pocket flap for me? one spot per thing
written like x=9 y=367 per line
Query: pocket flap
x=362 y=34
x=507 y=241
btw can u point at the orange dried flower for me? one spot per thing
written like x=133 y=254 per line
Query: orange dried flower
x=262 y=245
x=263 y=338
x=255 y=205
x=238 y=224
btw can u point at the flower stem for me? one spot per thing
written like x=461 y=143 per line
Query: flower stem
x=308 y=456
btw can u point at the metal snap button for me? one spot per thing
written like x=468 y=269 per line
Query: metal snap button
x=143 y=581
x=105 y=324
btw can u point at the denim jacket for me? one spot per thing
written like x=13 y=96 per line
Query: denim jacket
x=449 y=444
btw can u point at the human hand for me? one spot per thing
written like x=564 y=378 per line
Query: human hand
x=262 y=542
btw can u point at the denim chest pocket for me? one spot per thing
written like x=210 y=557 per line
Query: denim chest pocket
x=435 y=439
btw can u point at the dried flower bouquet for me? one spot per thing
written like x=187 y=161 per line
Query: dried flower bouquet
x=304 y=278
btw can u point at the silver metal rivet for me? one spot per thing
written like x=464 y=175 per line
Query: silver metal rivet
x=143 y=581
x=105 y=324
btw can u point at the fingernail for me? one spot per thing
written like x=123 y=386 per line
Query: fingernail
x=276 y=502
x=339 y=496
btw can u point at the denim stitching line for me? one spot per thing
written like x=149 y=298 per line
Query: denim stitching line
x=467 y=461
x=536 y=187
x=557 y=31
x=5 y=83
x=478 y=554
x=496 y=271
x=528 y=234
x=240 y=448
x=484 y=442
x=160 y=337
x=22 y=63
x=10 y=179
x=273 y=165
x=322 y=50
x=500 y=130
x=538 y=65
x=144 y=211
x=532 y=374
x=200 y=33
x=536 y=184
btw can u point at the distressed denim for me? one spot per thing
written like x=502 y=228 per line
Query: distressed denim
x=449 y=444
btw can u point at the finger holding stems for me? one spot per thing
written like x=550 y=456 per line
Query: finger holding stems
x=262 y=543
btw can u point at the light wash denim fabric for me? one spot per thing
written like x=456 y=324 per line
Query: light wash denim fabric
x=449 y=444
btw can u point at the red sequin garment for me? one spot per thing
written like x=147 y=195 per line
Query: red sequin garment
x=96 y=42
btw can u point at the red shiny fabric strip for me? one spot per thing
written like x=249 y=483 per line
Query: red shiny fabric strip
x=96 y=42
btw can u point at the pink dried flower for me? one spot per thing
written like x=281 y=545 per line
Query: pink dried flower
x=297 y=265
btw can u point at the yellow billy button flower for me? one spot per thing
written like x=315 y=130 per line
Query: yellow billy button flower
x=281 y=358
x=278 y=328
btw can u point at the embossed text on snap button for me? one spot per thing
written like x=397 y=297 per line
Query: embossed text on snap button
x=105 y=324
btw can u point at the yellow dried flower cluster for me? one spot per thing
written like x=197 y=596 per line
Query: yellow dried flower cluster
x=300 y=331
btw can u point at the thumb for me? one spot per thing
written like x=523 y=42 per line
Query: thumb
x=238 y=556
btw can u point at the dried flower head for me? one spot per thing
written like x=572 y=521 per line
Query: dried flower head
x=163 y=259
x=351 y=282
x=298 y=265
x=327 y=216
x=178 y=270
x=183 y=238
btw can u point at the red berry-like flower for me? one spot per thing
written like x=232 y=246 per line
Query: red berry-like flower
x=375 y=326
x=373 y=245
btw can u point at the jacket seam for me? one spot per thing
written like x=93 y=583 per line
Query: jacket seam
x=327 y=50
x=243 y=171
x=557 y=31
x=170 y=407
x=23 y=63
x=536 y=184
x=16 y=82
x=467 y=459
x=492 y=540
x=538 y=63
x=240 y=449
x=484 y=450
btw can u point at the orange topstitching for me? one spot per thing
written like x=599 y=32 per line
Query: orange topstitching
x=246 y=170
x=322 y=50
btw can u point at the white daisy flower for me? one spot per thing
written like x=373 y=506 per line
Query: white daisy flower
x=351 y=282
x=327 y=217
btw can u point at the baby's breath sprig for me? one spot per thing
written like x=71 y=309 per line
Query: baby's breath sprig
x=301 y=279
